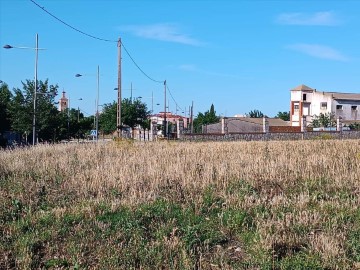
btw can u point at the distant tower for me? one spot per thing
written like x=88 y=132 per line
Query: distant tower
x=63 y=102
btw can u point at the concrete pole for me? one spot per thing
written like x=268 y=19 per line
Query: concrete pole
x=164 y=123
x=303 y=124
x=339 y=125
x=118 y=118
x=180 y=128
x=265 y=125
x=224 y=128
x=192 y=116
x=97 y=104
x=35 y=86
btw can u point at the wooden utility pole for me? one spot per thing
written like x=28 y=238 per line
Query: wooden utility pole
x=118 y=118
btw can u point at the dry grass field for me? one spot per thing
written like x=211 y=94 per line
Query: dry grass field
x=178 y=205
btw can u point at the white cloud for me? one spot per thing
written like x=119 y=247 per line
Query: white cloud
x=324 y=18
x=163 y=32
x=319 y=51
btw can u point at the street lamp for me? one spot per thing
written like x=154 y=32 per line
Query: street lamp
x=97 y=103
x=35 y=83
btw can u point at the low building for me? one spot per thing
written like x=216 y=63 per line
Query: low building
x=175 y=124
x=307 y=102
x=172 y=118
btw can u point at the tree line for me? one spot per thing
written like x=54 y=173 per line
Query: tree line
x=52 y=125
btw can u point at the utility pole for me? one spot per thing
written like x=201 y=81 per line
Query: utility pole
x=78 y=132
x=97 y=104
x=118 y=117
x=35 y=87
x=192 y=124
x=164 y=123
x=95 y=116
x=68 y=120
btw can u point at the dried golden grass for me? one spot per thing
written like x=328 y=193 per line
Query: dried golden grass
x=299 y=183
x=138 y=170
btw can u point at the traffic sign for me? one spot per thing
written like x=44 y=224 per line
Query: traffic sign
x=93 y=132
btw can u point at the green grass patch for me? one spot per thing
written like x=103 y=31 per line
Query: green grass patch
x=174 y=234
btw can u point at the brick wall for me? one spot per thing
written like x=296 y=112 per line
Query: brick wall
x=284 y=129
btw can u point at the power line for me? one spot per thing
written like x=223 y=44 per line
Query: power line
x=106 y=40
x=177 y=106
x=143 y=72
x=68 y=25
x=94 y=37
x=85 y=112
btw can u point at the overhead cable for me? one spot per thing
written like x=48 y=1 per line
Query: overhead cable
x=106 y=40
x=143 y=72
x=98 y=38
x=72 y=27
x=177 y=106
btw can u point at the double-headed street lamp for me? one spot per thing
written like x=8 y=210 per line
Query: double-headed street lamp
x=97 y=102
x=35 y=83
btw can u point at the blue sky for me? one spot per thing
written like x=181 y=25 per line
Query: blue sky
x=238 y=55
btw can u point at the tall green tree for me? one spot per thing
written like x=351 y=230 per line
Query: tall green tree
x=73 y=124
x=255 y=114
x=209 y=117
x=133 y=113
x=107 y=118
x=21 y=113
x=283 y=115
x=22 y=110
x=5 y=102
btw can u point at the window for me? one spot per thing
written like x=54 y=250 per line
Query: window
x=339 y=107
x=323 y=105
x=296 y=107
x=354 y=108
x=304 y=97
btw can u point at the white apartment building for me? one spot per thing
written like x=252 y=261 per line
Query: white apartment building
x=306 y=101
